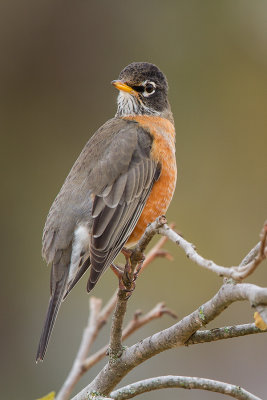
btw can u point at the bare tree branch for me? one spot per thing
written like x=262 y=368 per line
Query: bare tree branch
x=115 y=345
x=249 y=265
x=174 y=336
x=251 y=261
x=201 y=336
x=226 y=332
x=157 y=251
x=163 y=382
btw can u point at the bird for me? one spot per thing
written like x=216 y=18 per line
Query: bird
x=124 y=178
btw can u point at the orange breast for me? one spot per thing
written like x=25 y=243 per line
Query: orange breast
x=163 y=151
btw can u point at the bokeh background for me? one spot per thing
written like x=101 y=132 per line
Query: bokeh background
x=57 y=61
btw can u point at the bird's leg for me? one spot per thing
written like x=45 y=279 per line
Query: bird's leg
x=128 y=266
x=127 y=282
x=130 y=272
x=119 y=272
x=128 y=275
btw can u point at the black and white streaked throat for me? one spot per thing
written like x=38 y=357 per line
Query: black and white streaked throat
x=131 y=104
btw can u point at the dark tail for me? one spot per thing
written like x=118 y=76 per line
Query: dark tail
x=54 y=304
x=78 y=276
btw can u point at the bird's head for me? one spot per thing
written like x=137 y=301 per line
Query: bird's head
x=143 y=91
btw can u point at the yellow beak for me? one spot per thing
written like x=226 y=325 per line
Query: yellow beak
x=122 y=86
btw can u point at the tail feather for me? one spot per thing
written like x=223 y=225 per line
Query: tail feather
x=54 y=304
x=78 y=276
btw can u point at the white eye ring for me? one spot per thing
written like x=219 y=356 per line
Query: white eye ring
x=151 y=83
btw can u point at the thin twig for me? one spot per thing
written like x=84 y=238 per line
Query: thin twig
x=248 y=268
x=236 y=272
x=157 y=251
x=138 y=321
x=185 y=382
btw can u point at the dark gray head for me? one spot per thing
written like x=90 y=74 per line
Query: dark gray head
x=143 y=90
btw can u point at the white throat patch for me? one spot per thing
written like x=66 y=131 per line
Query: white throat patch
x=130 y=105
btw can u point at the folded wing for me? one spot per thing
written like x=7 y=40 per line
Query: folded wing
x=117 y=208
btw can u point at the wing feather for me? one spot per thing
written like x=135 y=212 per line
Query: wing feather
x=102 y=242
x=128 y=196
x=102 y=220
x=115 y=194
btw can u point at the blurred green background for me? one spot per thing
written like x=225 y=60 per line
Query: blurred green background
x=57 y=61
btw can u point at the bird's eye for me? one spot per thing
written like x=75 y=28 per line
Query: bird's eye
x=149 y=88
x=145 y=88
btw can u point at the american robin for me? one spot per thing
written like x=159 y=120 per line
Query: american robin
x=123 y=179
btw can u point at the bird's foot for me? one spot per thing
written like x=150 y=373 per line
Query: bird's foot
x=128 y=290
x=126 y=284
x=128 y=275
